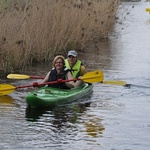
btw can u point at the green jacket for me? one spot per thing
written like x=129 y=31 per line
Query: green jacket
x=75 y=70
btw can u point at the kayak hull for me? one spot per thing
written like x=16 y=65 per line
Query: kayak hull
x=50 y=97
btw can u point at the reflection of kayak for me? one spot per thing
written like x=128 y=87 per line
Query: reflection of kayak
x=49 y=97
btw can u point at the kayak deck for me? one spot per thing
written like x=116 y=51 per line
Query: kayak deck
x=49 y=97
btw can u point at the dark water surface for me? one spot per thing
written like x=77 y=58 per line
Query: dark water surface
x=118 y=117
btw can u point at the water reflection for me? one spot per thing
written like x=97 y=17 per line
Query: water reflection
x=96 y=52
x=6 y=104
x=67 y=116
x=61 y=114
x=94 y=127
x=6 y=100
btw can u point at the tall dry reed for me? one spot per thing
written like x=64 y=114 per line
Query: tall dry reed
x=34 y=30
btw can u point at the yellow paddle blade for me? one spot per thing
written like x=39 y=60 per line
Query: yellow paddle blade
x=6 y=89
x=94 y=76
x=122 y=83
x=17 y=76
x=148 y=9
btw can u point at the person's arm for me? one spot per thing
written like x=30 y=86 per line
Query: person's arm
x=70 y=84
x=78 y=83
x=36 y=84
x=46 y=78
x=83 y=71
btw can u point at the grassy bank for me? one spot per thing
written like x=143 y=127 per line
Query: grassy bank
x=32 y=31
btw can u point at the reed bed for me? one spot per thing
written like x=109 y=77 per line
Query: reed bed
x=33 y=31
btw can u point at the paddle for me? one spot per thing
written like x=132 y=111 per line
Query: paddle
x=148 y=10
x=90 y=77
x=114 y=82
x=21 y=76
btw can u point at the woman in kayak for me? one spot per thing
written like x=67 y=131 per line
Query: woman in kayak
x=58 y=73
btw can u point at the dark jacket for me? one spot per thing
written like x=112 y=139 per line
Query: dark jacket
x=54 y=77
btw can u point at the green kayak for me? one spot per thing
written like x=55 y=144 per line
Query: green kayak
x=50 y=97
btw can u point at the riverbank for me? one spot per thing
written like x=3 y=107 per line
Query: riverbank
x=34 y=31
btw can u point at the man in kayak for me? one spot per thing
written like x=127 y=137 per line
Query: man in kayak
x=75 y=65
x=59 y=73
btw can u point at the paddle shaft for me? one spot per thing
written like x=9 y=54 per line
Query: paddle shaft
x=36 y=77
x=53 y=82
x=6 y=89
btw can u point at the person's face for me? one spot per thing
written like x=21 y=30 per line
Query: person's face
x=59 y=64
x=72 y=60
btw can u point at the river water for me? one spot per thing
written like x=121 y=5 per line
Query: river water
x=118 y=117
